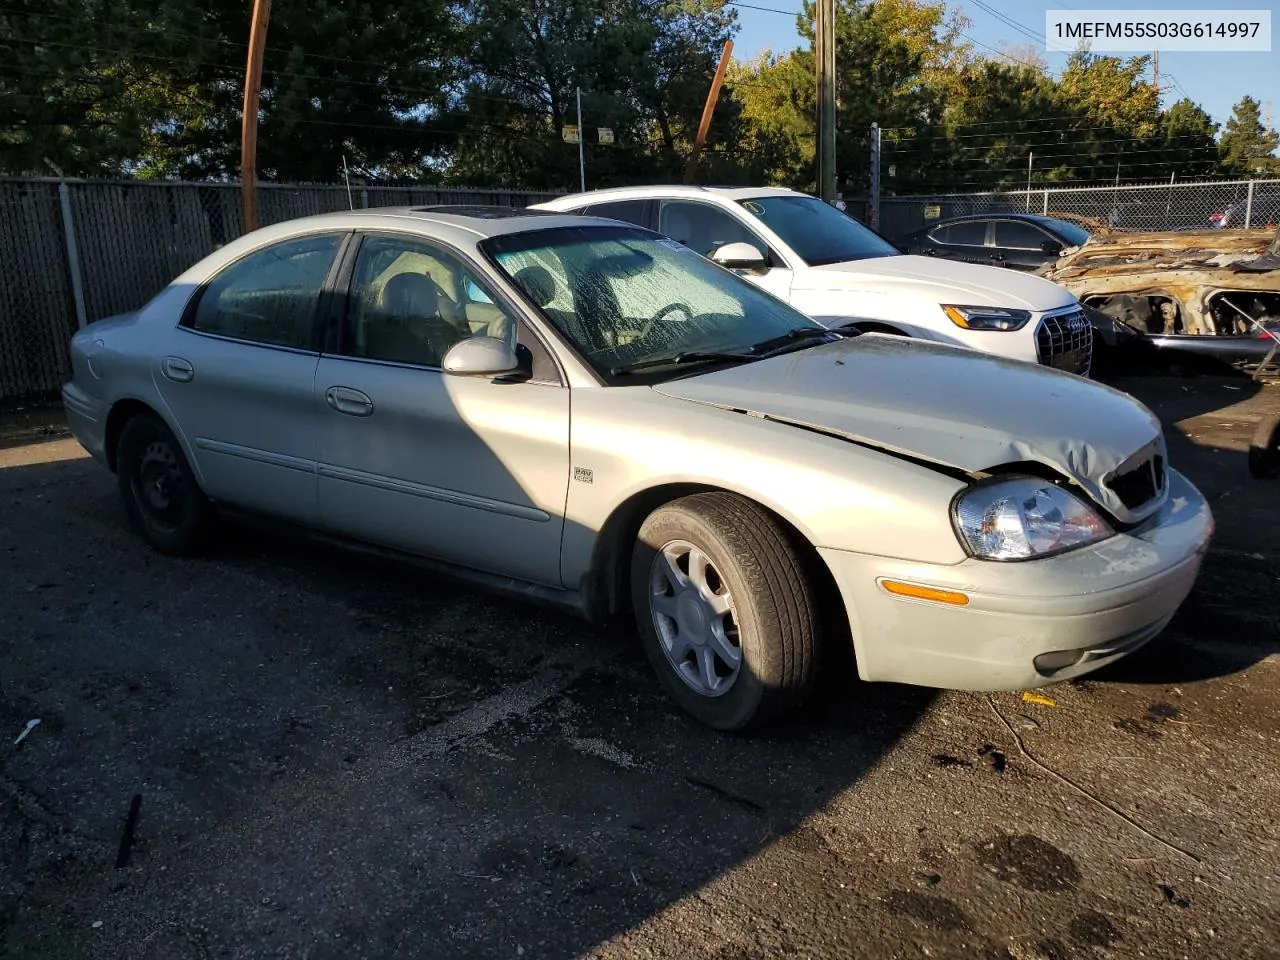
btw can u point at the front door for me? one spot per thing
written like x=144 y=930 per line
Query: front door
x=237 y=375
x=705 y=228
x=467 y=470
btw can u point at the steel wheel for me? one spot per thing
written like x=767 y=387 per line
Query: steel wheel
x=693 y=615
x=161 y=495
x=160 y=485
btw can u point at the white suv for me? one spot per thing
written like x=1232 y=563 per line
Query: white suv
x=831 y=267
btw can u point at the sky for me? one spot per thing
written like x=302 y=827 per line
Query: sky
x=1216 y=81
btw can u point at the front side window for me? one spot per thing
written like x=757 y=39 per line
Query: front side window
x=703 y=228
x=624 y=297
x=411 y=302
x=270 y=296
x=817 y=232
x=1016 y=235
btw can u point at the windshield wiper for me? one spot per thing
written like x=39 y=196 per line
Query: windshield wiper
x=791 y=339
x=694 y=356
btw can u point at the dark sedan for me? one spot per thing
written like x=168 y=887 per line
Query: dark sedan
x=1022 y=241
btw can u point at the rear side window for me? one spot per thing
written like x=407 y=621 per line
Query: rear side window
x=1016 y=235
x=270 y=296
x=967 y=233
x=628 y=211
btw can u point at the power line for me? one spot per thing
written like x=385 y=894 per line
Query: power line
x=1010 y=22
x=752 y=6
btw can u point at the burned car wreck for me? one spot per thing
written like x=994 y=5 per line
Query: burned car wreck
x=1180 y=296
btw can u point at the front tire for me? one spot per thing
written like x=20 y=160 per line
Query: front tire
x=164 y=503
x=726 y=611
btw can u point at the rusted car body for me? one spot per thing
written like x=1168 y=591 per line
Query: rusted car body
x=1181 y=282
x=1215 y=294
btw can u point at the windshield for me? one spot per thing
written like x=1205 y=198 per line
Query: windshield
x=817 y=231
x=1073 y=235
x=627 y=298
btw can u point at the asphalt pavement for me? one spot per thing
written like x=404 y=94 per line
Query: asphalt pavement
x=332 y=756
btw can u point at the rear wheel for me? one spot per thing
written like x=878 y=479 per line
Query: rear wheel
x=164 y=503
x=725 y=609
x=1264 y=450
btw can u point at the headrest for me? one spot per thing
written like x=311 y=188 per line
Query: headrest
x=411 y=294
x=538 y=283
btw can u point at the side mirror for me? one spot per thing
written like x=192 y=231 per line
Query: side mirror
x=739 y=256
x=1051 y=246
x=480 y=357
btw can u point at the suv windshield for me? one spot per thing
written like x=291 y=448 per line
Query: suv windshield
x=630 y=300
x=816 y=231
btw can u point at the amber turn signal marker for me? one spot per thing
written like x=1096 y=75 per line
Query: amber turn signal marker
x=917 y=592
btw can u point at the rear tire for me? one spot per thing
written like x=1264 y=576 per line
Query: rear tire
x=726 y=610
x=165 y=505
x=1264 y=450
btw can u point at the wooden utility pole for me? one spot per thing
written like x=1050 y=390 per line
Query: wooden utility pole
x=708 y=109
x=249 y=120
x=825 y=62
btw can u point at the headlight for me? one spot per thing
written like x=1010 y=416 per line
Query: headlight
x=986 y=318
x=1024 y=517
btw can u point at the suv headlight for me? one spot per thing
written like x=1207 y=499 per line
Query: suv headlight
x=1024 y=517
x=986 y=318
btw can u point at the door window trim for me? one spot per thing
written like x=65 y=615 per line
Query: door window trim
x=339 y=315
x=318 y=319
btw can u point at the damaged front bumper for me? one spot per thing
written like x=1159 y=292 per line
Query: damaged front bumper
x=1029 y=623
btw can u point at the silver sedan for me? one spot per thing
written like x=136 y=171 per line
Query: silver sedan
x=583 y=412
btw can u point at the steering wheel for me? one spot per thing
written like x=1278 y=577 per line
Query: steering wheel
x=662 y=315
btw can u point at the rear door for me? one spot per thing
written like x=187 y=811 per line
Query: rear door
x=964 y=240
x=237 y=376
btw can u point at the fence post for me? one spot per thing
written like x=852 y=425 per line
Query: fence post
x=73 y=254
x=1248 y=206
x=873 y=203
x=1045 y=211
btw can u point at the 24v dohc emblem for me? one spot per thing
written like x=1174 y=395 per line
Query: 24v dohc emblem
x=582 y=475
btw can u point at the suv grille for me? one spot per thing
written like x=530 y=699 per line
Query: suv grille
x=1144 y=482
x=1065 y=342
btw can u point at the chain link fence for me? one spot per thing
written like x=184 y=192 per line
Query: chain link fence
x=1155 y=207
x=72 y=252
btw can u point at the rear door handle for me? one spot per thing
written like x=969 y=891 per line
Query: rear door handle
x=177 y=369
x=353 y=403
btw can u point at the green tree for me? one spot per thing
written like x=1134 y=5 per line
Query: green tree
x=1188 y=136
x=1247 y=146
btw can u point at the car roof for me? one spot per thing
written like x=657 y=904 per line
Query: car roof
x=462 y=225
x=1000 y=215
x=691 y=191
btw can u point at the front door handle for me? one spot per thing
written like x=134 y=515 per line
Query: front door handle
x=346 y=400
x=177 y=369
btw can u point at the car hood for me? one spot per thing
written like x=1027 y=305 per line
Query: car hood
x=942 y=281
x=950 y=407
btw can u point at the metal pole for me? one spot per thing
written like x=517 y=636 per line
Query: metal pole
x=582 y=135
x=708 y=110
x=73 y=255
x=1045 y=211
x=825 y=62
x=1248 y=207
x=873 y=204
x=249 y=118
x=1030 y=157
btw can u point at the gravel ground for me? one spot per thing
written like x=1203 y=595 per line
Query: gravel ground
x=337 y=757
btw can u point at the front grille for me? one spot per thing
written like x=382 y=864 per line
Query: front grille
x=1141 y=484
x=1065 y=342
